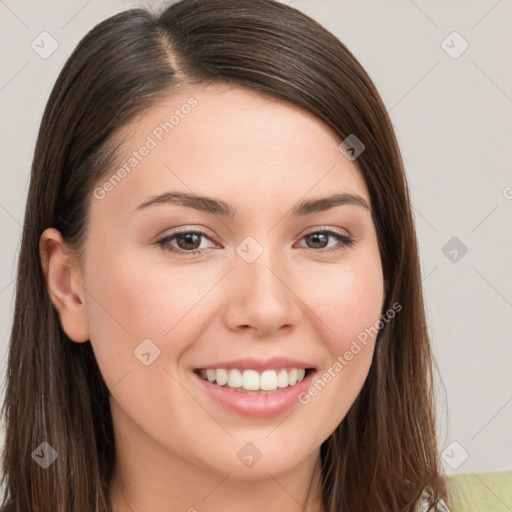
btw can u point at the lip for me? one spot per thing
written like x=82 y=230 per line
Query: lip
x=250 y=363
x=254 y=405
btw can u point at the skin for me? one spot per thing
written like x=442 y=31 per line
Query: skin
x=177 y=449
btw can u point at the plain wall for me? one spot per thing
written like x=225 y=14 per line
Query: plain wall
x=452 y=116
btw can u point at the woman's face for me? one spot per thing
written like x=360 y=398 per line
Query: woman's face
x=263 y=285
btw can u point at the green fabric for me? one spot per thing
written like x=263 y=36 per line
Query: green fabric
x=481 y=492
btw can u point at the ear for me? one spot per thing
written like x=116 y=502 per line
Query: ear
x=63 y=277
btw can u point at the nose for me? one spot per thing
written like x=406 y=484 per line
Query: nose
x=261 y=297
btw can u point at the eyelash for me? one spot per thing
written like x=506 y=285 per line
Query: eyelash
x=343 y=241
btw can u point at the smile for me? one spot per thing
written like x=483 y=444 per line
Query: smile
x=272 y=392
x=253 y=381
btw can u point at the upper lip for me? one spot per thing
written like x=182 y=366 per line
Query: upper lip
x=258 y=364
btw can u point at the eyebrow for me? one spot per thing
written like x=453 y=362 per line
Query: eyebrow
x=218 y=207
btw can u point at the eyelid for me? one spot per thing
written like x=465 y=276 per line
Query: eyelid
x=339 y=231
x=187 y=229
x=205 y=233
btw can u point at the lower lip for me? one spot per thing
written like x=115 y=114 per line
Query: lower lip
x=255 y=405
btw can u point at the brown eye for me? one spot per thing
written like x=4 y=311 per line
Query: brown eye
x=188 y=242
x=320 y=240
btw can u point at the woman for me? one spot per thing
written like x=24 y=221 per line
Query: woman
x=186 y=335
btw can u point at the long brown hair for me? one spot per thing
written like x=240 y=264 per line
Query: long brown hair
x=383 y=455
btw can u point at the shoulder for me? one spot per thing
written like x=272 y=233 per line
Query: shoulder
x=423 y=505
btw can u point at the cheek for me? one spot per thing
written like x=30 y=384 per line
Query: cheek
x=131 y=300
x=349 y=306
x=349 y=301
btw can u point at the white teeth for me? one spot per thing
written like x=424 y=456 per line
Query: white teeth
x=282 y=379
x=235 y=379
x=268 y=380
x=222 y=377
x=251 y=380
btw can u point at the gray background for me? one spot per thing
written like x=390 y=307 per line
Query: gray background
x=453 y=120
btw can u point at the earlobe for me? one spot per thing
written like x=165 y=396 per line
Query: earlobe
x=63 y=279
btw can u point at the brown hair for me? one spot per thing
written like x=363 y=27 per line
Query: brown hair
x=383 y=455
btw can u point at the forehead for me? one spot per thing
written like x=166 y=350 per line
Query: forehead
x=229 y=142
